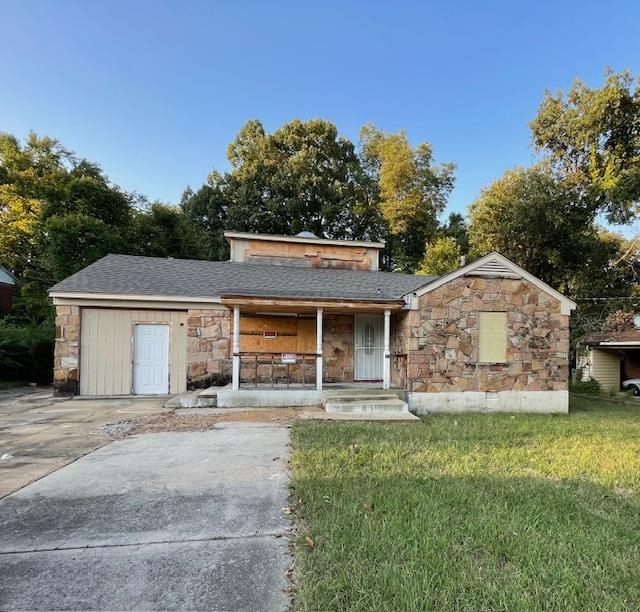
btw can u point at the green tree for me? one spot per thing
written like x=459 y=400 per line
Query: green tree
x=591 y=137
x=206 y=212
x=303 y=176
x=76 y=240
x=541 y=223
x=165 y=231
x=456 y=227
x=441 y=256
x=411 y=188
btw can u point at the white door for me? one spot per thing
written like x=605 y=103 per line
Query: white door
x=369 y=347
x=151 y=360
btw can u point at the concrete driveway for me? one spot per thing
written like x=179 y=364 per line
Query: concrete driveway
x=40 y=433
x=164 y=521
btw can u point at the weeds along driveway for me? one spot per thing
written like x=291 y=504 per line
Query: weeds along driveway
x=40 y=433
x=186 y=520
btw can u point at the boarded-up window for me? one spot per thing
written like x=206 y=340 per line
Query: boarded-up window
x=493 y=337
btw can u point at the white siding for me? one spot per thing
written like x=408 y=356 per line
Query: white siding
x=605 y=368
x=106 y=349
x=5 y=277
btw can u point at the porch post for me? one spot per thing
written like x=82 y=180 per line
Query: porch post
x=386 y=375
x=235 y=378
x=319 y=349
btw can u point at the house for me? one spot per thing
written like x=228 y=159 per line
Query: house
x=303 y=313
x=613 y=357
x=7 y=286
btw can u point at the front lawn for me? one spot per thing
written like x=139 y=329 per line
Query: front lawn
x=470 y=512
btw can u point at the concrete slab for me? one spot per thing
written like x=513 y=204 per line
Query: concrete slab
x=43 y=433
x=213 y=575
x=275 y=398
x=189 y=520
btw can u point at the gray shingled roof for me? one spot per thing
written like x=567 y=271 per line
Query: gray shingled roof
x=128 y=274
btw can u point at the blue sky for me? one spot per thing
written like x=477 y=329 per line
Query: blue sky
x=155 y=91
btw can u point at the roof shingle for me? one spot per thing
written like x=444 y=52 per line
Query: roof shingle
x=134 y=275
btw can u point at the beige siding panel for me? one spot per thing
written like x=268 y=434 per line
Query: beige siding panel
x=106 y=349
x=605 y=368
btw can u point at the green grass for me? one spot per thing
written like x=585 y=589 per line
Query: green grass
x=470 y=512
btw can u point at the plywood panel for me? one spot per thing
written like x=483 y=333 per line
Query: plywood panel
x=493 y=337
x=106 y=348
x=306 y=335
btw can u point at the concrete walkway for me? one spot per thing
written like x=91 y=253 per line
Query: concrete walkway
x=167 y=521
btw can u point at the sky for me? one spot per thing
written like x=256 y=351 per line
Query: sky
x=154 y=91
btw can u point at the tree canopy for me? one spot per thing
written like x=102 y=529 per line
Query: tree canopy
x=591 y=138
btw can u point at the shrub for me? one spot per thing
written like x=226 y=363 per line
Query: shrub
x=26 y=352
x=585 y=386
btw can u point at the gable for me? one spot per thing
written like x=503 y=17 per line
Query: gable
x=495 y=265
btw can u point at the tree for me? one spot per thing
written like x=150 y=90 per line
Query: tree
x=303 y=176
x=206 y=212
x=76 y=240
x=591 y=138
x=165 y=231
x=456 y=228
x=542 y=224
x=441 y=256
x=412 y=191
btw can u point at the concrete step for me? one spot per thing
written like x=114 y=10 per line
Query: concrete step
x=405 y=417
x=360 y=405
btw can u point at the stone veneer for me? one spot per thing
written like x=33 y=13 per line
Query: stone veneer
x=208 y=343
x=440 y=339
x=66 y=350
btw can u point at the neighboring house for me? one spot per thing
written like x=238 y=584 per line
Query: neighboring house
x=7 y=286
x=303 y=312
x=612 y=358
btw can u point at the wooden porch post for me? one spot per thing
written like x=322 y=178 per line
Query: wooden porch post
x=235 y=377
x=386 y=375
x=319 y=349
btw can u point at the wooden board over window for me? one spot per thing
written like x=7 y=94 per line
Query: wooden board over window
x=493 y=337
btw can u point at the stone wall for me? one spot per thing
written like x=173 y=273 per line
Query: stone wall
x=66 y=350
x=401 y=323
x=208 y=343
x=337 y=348
x=442 y=338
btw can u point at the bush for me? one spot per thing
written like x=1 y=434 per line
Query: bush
x=585 y=386
x=26 y=352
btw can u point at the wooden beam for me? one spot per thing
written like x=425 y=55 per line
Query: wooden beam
x=310 y=305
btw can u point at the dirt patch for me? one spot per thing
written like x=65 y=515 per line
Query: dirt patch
x=197 y=422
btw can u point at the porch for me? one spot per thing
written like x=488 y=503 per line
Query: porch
x=301 y=346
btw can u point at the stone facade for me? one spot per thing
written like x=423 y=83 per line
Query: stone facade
x=208 y=343
x=441 y=338
x=66 y=350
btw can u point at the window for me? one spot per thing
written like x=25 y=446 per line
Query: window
x=493 y=337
